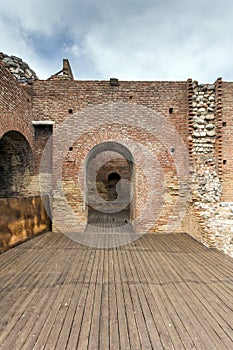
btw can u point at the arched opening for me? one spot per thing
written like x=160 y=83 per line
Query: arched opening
x=22 y=213
x=109 y=185
x=16 y=164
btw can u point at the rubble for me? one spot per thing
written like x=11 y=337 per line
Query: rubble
x=19 y=69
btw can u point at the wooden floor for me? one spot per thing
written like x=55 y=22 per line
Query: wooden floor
x=159 y=292
x=117 y=222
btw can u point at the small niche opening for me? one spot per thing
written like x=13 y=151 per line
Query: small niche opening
x=173 y=150
x=224 y=124
x=42 y=130
x=70 y=111
x=224 y=161
x=114 y=82
x=114 y=177
x=71 y=148
x=170 y=110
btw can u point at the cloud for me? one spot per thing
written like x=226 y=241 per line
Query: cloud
x=132 y=40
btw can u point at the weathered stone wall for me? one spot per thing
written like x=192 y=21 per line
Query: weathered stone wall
x=20 y=219
x=215 y=217
x=18 y=68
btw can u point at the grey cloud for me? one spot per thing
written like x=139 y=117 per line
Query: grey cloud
x=168 y=40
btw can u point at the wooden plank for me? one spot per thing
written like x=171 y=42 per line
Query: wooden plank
x=104 y=314
x=82 y=309
x=89 y=304
x=191 y=299
x=164 y=291
x=31 y=313
x=124 y=340
x=63 y=330
x=94 y=336
x=51 y=328
x=22 y=304
x=130 y=312
x=172 y=322
x=185 y=267
x=163 y=309
x=114 y=332
x=150 y=337
x=220 y=319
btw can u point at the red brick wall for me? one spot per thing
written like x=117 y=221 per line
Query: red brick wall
x=21 y=216
x=16 y=116
x=15 y=106
x=227 y=141
x=53 y=98
x=61 y=99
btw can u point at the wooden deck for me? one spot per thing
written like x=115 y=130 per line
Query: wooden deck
x=108 y=223
x=159 y=292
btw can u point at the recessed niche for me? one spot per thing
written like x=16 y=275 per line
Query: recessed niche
x=170 y=110
x=70 y=111
x=114 y=82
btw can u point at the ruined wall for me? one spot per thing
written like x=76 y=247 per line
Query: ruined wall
x=227 y=141
x=201 y=115
x=16 y=106
x=60 y=99
x=21 y=216
x=57 y=99
x=18 y=68
x=207 y=149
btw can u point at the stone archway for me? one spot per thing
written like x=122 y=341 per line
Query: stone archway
x=16 y=164
x=109 y=183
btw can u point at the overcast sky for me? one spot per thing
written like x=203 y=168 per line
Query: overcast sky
x=126 y=39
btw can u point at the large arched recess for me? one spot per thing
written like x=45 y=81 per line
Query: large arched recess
x=16 y=164
x=109 y=181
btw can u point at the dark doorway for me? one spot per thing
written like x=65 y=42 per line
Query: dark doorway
x=16 y=164
x=109 y=177
x=113 y=179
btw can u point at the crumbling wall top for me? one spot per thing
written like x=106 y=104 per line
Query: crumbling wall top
x=19 y=69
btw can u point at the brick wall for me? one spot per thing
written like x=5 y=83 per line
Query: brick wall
x=21 y=216
x=227 y=142
x=89 y=105
x=54 y=99
x=156 y=122
x=16 y=106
